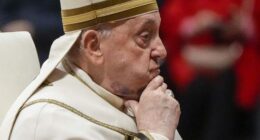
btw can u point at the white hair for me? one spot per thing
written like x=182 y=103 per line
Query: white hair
x=104 y=31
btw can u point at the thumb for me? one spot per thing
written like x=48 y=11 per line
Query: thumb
x=131 y=107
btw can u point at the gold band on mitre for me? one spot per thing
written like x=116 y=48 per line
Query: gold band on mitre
x=110 y=10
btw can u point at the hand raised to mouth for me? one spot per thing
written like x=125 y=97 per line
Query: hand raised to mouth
x=156 y=111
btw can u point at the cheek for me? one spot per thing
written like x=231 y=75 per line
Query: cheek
x=141 y=59
x=137 y=67
x=132 y=58
x=128 y=64
x=141 y=65
x=130 y=68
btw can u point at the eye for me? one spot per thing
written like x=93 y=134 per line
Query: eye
x=145 y=36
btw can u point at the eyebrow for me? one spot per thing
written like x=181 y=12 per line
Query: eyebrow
x=148 y=22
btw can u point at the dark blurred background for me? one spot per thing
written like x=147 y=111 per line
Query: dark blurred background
x=40 y=17
x=212 y=64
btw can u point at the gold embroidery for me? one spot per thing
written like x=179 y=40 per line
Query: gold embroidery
x=130 y=137
x=47 y=83
x=88 y=8
x=91 y=15
x=77 y=112
x=147 y=134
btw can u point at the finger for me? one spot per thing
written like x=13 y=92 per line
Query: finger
x=155 y=83
x=164 y=87
x=169 y=92
x=131 y=107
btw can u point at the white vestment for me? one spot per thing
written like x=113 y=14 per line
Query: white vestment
x=68 y=106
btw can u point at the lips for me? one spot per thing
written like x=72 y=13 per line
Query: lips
x=157 y=68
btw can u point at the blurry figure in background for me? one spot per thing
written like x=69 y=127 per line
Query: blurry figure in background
x=40 y=18
x=213 y=63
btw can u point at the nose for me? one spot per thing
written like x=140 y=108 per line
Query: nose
x=159 y=52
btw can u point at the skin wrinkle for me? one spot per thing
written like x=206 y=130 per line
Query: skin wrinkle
x=124 y=91
x=147 y=24
x=129 y=61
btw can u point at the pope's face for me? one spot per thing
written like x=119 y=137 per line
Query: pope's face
x=132 y=55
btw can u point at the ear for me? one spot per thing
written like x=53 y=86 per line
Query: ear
x=91 y=46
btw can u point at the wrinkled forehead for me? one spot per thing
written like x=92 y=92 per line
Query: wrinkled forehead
x=153 y=16
x=149 y=19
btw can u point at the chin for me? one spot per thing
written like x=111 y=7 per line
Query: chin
x=134 y=93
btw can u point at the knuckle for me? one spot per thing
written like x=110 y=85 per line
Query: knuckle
x=179 y=110
x=175 y=103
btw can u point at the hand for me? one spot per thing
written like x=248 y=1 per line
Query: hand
x=156 y=111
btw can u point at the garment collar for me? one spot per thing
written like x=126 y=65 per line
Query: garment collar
x=86 y=79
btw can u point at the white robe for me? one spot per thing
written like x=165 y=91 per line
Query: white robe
x=66 y=108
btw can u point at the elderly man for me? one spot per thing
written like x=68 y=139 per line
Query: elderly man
x=101 y=80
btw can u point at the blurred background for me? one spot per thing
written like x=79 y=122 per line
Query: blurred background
x=213 y=62
x=40 y=17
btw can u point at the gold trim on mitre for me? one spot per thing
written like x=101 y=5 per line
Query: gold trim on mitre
x=110 y=10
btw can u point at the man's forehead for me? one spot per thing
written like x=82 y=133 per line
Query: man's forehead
x=146 y=20
x=150 y=18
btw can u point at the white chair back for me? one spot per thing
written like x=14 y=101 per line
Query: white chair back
x=19 y=65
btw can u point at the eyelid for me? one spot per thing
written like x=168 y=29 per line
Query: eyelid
x=143 y=32
x=147 y=34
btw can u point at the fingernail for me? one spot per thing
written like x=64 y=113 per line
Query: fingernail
x=159 y=78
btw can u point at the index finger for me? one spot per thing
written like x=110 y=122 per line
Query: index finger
x=155 y=83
